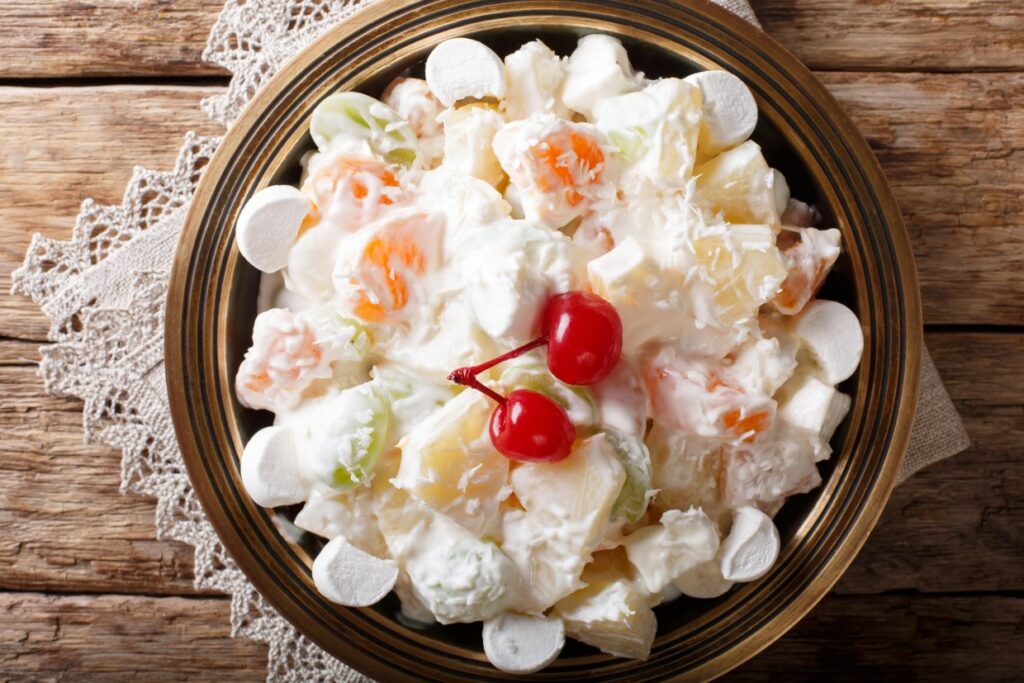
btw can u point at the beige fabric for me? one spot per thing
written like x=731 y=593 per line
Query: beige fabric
x=104 y=289
x=938 y=430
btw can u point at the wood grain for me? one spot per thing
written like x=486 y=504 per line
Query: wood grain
x=65 y=144
x=898 y=638
x=54 y=38
x=955 y=527
x=66 y=525
x=120 y=638
x=959 y=524
x=111 y=38
x=882 y=35
x=952 y=146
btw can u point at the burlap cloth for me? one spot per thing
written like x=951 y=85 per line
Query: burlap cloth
x=104 y=290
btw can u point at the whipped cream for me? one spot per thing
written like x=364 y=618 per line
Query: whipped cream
x=429 y=232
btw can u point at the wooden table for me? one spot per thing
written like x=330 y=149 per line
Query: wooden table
x=90 y=88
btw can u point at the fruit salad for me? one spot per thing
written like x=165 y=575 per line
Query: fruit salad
x=543 y=347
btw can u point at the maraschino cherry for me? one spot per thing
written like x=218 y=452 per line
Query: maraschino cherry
x=583 y=333
x=584 y=337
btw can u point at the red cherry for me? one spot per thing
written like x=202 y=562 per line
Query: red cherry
x=584 y=337
x=531 y=427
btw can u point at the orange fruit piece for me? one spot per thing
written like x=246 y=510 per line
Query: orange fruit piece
x=387 y=260
x=566 y=161
x=357 y=178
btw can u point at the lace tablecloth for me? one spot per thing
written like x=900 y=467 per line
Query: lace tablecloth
x=104 y=290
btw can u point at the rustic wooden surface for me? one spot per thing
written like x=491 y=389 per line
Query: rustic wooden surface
x=88 y=89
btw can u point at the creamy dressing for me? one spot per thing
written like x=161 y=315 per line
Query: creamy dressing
x=435 y=239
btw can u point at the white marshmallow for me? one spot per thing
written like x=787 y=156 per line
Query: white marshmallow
x=811 y=405
x=730 y=111
x=346 y=575
x=269 y=224
x=270 y=471
x=705 y=581
x=461 y=67
x=751 y=547
x=832 y=333
x=780 y=186
x=598 y=69
x=521 y=644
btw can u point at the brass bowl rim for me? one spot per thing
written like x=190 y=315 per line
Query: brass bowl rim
x=859 y=529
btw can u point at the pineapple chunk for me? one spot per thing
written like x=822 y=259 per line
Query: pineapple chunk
x=567 y=509
x=741 y=270
x=610 y=613
x=656 y=130
x=686 y=471
x=450 y=464
x=663 y=552
x=739 y=185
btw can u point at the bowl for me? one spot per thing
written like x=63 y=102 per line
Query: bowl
x=803 y=132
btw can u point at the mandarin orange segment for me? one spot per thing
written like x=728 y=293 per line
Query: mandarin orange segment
x=385 y=261
x=571 y=160
x=354 y=174
x=735 y=421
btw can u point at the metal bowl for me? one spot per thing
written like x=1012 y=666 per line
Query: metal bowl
x=803 y=132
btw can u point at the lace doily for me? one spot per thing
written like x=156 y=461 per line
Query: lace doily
x=104 y=292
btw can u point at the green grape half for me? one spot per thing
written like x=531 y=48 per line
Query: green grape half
x=636 y=461
x=351 y=117
x=346 y=436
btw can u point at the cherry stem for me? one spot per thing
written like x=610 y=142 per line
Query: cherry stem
x=467 y=376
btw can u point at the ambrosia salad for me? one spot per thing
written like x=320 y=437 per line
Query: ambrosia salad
x=541 y=342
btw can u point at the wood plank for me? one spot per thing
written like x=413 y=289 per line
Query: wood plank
x=54 y=38
x=66 y=144
x=843 y=639
x=66 y=525
x=898 y=638
x=952 y=147
x=958 y=525
x=57 y=38
x=954 y=527
x=59 y=638
x=914 y=35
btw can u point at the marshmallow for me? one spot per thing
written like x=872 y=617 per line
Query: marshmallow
x=269 y=224
x=521 y=644
x=597 y=69
x=751 y=547
x=811 y=405
x=832 y=333
x=730 y=112
x=270 y=471
x=461 y=68
x=346 y=575
x=705 y=581
x=780 y=187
